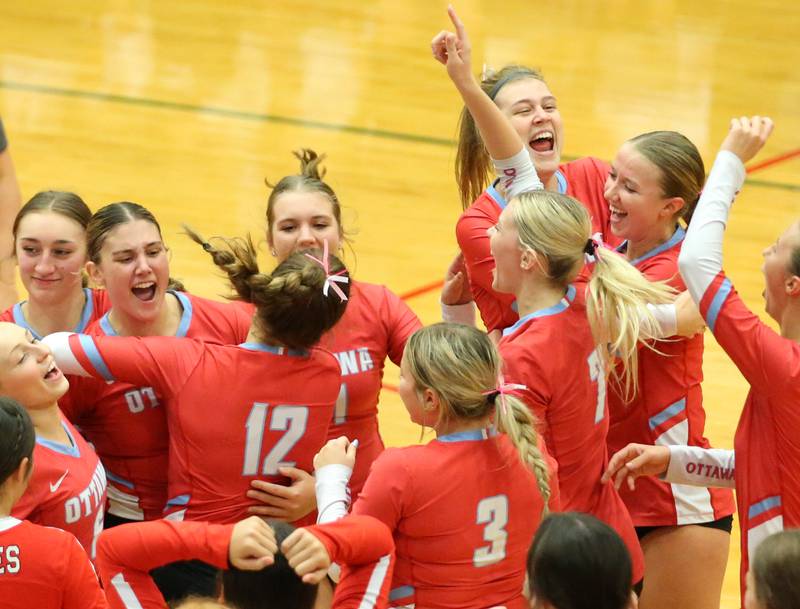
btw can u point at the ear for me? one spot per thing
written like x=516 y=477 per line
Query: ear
x=792 y=285
x=95 y=274
x=528 y=259
x=430 y=400
x=20 y=476
x=672 y=206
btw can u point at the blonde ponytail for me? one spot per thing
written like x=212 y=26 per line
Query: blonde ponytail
x=557 y=228
x=516 y=421
x=461 y=365
x=616 y=304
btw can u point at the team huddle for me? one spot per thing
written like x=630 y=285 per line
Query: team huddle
x=160 y=448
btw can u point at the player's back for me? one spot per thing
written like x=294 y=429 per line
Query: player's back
x=464 y=509
x=243 y=412
x=45 y=568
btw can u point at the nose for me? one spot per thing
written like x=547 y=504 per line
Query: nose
x=44 y=265
x=539 y=115
x=142 y=264
x=610 y=189
x=306 y=237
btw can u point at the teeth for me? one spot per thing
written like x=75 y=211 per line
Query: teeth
x=145 y=285
x=617 y=210
x=544 y=135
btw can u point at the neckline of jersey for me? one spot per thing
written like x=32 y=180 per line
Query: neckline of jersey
x=500 y=200
x=473 y=435
x=676 y=238
x=274 y=350
x=183 y=326
x=86 y=315
x=559 y=307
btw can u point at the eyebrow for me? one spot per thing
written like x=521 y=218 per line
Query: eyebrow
x=57 y=241
x=18 y=346
x=133 y=249
x=527 y=100
x=317 y=217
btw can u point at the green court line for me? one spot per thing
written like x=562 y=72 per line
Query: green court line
x=277 y=119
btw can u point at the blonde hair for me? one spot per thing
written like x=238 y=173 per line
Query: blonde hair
x=461 y=365
x=290 y=304
x=473 y=164
x=557 y=228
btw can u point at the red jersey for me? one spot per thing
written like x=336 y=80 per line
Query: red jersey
x=127 y=423
x=127 y=553
x=583 y=179
x=234 y=413
x=45 y=568
x=67 y=489
x=767 y=442
x=552 y=353
x=376 y=324
x=667 y=410
x=97 y=304
x=463 y=509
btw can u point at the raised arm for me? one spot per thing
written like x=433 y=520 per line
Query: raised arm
x=512 y=162
x=700 y=260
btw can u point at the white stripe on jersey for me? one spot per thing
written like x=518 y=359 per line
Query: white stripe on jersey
x=692 y=503
x=375 y=584
x=125 y=592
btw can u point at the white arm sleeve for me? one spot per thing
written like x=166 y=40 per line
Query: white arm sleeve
x=517 y=174
x=65 y=360
x=459 y=314
x=701 y=466
x=333 y=494
x=701 y=253
x=667 y=317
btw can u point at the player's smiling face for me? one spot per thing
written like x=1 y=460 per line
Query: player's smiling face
x=51 y=252
x=533 y=111
x=779 y=281
x=28 y=372
x=633 y=191
x=302 y=220
x=134 y=269
x=507 y=253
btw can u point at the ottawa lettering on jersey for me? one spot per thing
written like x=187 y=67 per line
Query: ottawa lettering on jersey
x=355 y=361
x=509 y=175
x=9 y=560
x=710 y=471
x=89 y=499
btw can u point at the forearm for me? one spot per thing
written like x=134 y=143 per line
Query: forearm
x=701 y=254
x=333 y=494
x=701 y=466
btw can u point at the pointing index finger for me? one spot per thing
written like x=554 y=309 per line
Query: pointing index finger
x=460 y=31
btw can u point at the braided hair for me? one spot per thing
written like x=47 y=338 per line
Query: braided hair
x=17 y=436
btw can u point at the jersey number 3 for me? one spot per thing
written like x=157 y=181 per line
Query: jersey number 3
x=291 y=419
x=493 y=512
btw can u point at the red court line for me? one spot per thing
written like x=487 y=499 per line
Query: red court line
x=773 y=160
x=430 y=287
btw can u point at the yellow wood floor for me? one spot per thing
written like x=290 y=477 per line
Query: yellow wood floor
x=186 y=106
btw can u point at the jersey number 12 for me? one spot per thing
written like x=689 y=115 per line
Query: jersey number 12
x=291 y=419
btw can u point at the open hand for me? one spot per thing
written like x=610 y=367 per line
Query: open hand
x=747 y=136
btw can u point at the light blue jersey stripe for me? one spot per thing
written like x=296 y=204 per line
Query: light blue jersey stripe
x=401 y=592
x=716 y=304
x=669 y=412
x=87 y=343
x=763 y=506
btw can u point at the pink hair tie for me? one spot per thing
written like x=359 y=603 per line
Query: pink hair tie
x=331 y=279
x=502 y=390
x=593 y=243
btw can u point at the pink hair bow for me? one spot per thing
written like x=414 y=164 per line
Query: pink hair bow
x=594 y=243
x=331 y=279
x=504 y=389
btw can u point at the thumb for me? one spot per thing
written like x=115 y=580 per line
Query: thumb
x=351 y=450
x=292 y=473
x=450 y=43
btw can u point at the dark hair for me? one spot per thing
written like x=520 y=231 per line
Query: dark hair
x=578 y=562
x=107 y=218
x=17 y=437
x=677 y=158
x=776 y=570
x=276 y=586
x=291 y=306
x=309 y=179
x=473 y=164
